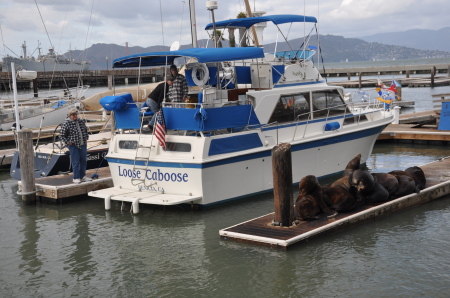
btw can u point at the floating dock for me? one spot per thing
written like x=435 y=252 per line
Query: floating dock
x=60 y=187
x=261 y=231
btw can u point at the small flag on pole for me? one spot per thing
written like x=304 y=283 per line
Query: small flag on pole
x=160 y=129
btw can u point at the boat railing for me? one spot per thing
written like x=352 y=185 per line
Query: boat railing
x=347 y=108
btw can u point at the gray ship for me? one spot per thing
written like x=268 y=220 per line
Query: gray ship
x=49 y=62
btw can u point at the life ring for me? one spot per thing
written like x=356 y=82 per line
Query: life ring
x=200 y=74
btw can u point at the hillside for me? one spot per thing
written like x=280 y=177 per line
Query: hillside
x=418 y=39
x=334 y=49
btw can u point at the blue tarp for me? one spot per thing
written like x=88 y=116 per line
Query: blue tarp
x=60 y=103
x=248 y=22
x=210 y=118
x=116 y=102
x=126 y=112
x=203 y=55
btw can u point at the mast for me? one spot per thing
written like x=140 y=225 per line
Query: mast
x=249 y=14
x=193 y=23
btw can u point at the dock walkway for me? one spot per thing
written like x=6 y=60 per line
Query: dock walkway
x=60 y=187
x=261 y=231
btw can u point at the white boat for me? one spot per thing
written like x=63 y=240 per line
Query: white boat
x=54 y=158
x=49 y=108
x=248 y=102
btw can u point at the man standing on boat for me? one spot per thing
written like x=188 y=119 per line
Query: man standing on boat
x=179 y=90
x=157 y=96
x=74 y=134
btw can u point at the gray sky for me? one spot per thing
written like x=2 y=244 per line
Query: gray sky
x=77 y=24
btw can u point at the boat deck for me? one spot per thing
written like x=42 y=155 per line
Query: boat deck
x=261 y=231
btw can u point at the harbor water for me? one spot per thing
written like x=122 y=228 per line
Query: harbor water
x=79 y=249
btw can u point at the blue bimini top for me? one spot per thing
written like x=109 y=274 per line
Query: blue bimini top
x=203 y=55
x=248 y=22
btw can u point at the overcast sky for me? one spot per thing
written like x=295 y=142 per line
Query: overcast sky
x=78 y=24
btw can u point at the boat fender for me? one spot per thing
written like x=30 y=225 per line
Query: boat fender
x=200 y=74
x=135 y=206
x=332 y=126
x=108 y=202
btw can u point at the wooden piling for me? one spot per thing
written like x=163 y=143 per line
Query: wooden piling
x=26 y=158
x=35 y=87
x=433 y=73
x=282 y=184
x=348 y=75
x=359 y=80
x=407 y=73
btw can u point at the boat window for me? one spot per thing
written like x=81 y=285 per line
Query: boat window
x=127 y=144
x=178 y=147
x=327 y=103
x=290 y=108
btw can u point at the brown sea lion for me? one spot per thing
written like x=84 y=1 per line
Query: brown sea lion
x=339 y=195
x=369 y=190
x=418 y=176
x=388 y=181
x=353 y=165
x=406 y=183
x=310 y=200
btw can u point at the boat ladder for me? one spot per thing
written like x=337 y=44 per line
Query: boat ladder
x=141 y=158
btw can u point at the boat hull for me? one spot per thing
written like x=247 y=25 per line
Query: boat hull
x=50 y=117
x=50 y=164
x=246 y=174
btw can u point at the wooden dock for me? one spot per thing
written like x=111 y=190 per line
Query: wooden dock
x=405 y=82
x=261 y=231
x=59 y=187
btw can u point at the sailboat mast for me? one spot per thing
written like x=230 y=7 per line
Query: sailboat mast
x=193 y=23
x=250 y=15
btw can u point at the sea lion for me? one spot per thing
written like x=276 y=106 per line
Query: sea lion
x=310 y=200
x=369 y=190
x=419 y=177
x=339 y=195
x=353 y=165
x=388 y=181
x=406 y=183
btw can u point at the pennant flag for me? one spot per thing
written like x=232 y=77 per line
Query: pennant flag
x=381 y=84
x=160 y=129
x=397 y=84
x=387 y=100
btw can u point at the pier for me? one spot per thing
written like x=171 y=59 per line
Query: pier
x=261 y=231
x=64 y=79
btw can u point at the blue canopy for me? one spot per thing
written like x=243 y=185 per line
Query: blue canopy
x=203 y=55
x=248 y=22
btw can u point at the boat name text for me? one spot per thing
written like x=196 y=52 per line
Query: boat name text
x=156 y=175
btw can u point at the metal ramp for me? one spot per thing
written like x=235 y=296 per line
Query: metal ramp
x=120 y=194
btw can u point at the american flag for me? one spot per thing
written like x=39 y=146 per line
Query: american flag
x=160 y=129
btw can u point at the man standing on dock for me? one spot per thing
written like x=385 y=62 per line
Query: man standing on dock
x=74 y=134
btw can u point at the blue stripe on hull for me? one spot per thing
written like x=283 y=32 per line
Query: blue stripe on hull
x=262 y=154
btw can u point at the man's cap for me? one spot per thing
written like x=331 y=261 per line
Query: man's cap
x=71 y=112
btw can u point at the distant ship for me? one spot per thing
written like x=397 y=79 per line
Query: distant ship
x=49 y=62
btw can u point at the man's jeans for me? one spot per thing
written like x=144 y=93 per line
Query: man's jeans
x=154 y=107
x=78 y=156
